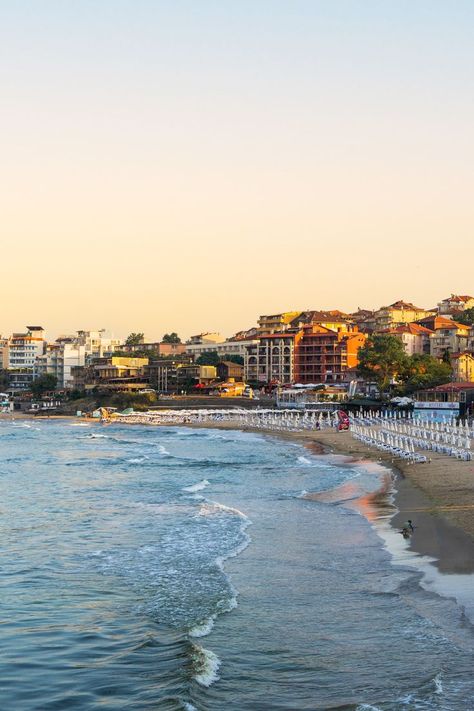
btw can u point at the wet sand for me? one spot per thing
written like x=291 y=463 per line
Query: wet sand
x=438 y=496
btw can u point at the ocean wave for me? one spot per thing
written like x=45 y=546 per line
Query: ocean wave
x=202 y=629
x=196 y=487
x=205 y=665
x=137 y=460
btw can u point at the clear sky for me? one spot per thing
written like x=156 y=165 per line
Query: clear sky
x=188 y=165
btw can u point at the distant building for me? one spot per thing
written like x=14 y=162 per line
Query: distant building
x=59 y=359
x=454 y=304
x=398 y=313
x=223 y=348
x=23 y=349
x=452 y=399
x=155 y=349
x=323 y=355
x=275 y=323
x=228 y=369
x=415 y=338
x=463 y=366
x=97 y=344
x=112 y=373
x=448 y=336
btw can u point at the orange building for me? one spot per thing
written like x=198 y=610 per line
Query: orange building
x=324 y=355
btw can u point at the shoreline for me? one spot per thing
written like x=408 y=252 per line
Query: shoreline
x=438 y=495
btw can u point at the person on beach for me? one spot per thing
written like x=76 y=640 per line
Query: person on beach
x=407 y=529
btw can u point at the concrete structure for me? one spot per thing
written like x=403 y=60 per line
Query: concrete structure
x=222 y=348
x=228 y=369
x=415 y=338
x=155 y=349
x=23 y=349
x=452 y=399
x=4 y=353
x=275 y=323
x=323 y=355
x=58 y=360
x=111 y=373
x=454 y=304
x=97 y=344
x=448 y=337
x=271 y=360
x=463 y=366
x=398 y=313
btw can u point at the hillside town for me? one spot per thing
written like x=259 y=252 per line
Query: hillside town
x=400 y=352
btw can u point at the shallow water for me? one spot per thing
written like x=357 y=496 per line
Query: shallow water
x=174 y=568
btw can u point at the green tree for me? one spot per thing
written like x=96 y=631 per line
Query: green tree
x=171 y=338
x=424 y=371
x=134 y=339
x=466 y=317
x=382 y=359
x=45 y=383
x=208 y=358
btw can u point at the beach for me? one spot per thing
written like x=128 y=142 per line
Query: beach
x=437 y=495
x=209 y=567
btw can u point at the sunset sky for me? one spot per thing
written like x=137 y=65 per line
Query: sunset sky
x=189 y=165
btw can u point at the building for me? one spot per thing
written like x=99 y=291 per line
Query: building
x=448 y=337
x=275 y=323
x=4 y=353
x=158 y=348
x=398 y=313
x=228 y=369
x=364 y=319
x=23 y=349
x=223 y=348
x=59 y=359
x=97 y=344
x=271 y=360
x=164 y=374
x=111 y=373
x=454 y=304
x=449 y=400
x=463 y=366
x=415 y=338
x=323 y=355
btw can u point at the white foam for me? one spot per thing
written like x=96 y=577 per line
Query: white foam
x=163 y=450
x=368 y=707
x=207 y=664
x=202 y=629
x=188 y=707
x=302 y=494
x=79 y=424
x=438 y=684
x=304 y=460
x=197 y=487
x=136 y=460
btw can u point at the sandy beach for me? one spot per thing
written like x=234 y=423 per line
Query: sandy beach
x=438 y=495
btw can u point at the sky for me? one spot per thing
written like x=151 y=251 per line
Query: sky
x=188 y=165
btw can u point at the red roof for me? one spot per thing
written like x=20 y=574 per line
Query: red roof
x=449 y=387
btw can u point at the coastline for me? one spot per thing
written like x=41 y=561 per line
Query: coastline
x=438 y=495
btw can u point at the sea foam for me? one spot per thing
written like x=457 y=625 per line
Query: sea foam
x=206 y=665
x=197 y=487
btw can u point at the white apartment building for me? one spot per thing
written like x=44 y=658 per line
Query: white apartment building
x=58 y=360
x=97 y=344
x=223 y=348
x=23 y=349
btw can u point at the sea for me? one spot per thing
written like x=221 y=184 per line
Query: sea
x=185 y=569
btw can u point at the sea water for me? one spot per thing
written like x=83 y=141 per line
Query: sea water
x=178 y=568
